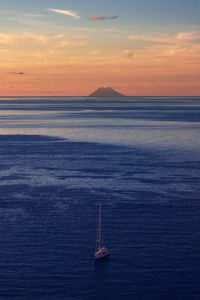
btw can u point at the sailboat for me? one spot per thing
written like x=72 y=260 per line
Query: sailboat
x=100 y=252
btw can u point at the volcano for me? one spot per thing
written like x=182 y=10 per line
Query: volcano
x=106 y=92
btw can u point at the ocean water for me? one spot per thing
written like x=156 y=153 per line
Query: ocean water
x=137 y=156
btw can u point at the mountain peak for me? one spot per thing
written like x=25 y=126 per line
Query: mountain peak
x=106 y=92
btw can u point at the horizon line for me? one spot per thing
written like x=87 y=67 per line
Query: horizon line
x=88 y=96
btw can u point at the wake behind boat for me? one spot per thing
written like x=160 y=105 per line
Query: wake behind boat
x=100 y=252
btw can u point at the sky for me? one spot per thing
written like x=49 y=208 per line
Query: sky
x=72 y=47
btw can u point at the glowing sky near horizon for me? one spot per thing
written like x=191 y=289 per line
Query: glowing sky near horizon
x=139 y=47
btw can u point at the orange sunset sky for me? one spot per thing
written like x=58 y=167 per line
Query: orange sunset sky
x=60 y=48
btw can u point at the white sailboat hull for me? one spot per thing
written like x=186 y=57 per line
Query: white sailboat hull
x=101 y=254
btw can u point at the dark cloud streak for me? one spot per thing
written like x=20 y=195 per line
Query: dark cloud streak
x=16 y=73
x=96 y=18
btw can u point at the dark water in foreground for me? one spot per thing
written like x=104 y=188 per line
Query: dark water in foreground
x=60 y=158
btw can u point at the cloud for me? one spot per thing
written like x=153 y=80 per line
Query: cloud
x=180 y=37
x=28 y=47
x=94 y=52
x=65 y=12
x=30 y=40
x=96 y=18
x=89 y=29
x=187 y=36
x=129 y=54
x=181 y=45
x=16 y=73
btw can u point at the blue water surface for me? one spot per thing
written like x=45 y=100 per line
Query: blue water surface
x=62 y=157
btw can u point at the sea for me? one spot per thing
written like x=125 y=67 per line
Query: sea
x=60 y=158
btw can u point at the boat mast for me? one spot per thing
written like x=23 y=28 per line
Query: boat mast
x=99 y=228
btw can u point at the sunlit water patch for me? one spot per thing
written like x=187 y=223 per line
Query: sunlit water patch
x=147 y=122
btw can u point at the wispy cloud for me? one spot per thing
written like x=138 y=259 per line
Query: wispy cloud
x=24 y=48
x=180 y=44
x=65 y=12
x=129 y=54
x=22 y=15
x=180 y=37
x=27 y=19
x=94 y=52
x=30 y=40
x=16 y=73
x=96 y=18
x=89 y=29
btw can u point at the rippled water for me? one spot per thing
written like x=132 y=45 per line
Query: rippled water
x=60 y=158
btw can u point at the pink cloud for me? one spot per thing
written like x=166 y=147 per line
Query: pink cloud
x=96 y=18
